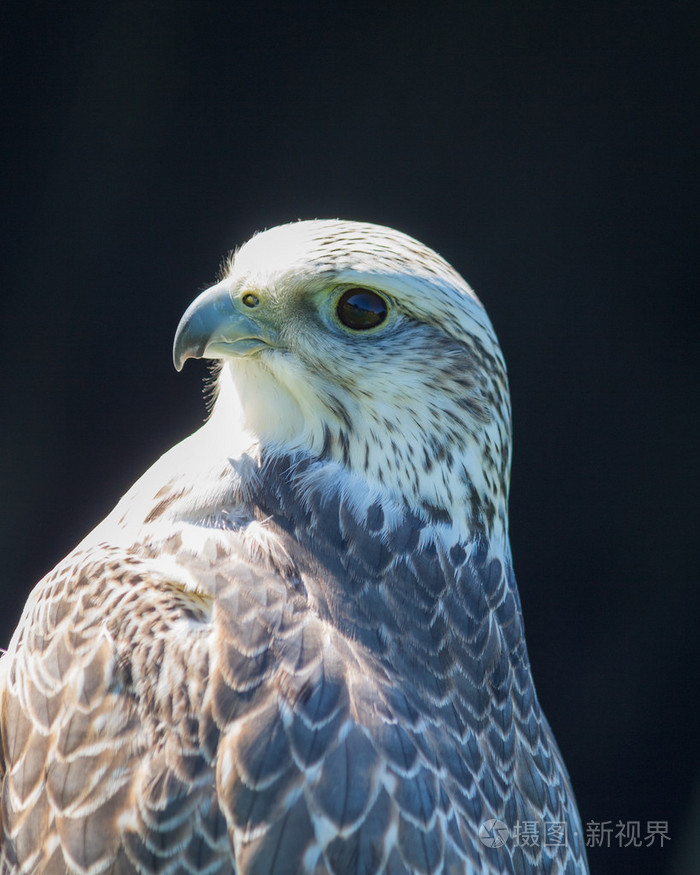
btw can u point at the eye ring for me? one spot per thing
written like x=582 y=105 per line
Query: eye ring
x=250 y=300
x=361 y=309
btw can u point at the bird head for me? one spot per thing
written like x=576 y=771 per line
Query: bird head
x=357 y=344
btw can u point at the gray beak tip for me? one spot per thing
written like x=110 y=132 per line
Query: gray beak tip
x=183 y=348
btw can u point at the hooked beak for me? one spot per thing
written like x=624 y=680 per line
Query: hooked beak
x=213 y=327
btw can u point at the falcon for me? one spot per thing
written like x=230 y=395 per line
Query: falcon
x=296 y=644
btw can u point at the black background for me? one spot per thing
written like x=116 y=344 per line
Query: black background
x=547 y=149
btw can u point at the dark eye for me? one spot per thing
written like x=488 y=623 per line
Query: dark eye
x=361 y=309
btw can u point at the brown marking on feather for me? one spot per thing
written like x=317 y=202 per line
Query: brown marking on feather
x=169 y=499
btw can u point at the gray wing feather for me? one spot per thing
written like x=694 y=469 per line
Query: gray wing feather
x=103 y=765
x=277 y=722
